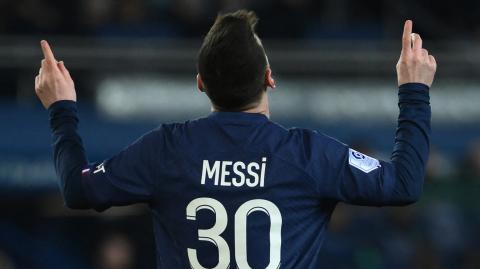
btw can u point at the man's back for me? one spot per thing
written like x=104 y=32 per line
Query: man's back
x=237 y=184
x=236 y=188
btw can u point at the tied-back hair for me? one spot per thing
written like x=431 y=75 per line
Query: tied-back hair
x=232 y=62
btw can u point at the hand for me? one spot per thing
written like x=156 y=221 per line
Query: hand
x=415 y=64
x=53 y=82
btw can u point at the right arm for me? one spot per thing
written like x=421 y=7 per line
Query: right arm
x=354 y=178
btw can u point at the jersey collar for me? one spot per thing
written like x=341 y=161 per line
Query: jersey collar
x=238 y=117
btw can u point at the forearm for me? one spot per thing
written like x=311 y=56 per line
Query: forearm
x=412 y=142
x=68 y=153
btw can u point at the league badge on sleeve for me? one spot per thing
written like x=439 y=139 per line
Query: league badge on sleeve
x=361 y=161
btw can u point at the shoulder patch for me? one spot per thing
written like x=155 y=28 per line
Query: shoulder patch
x=362 y=162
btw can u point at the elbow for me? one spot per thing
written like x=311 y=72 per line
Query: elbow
x=412 y=198
x=410 y=193
x=408 y=186
x=74 y=196
x=408 y=190
x=72 y=201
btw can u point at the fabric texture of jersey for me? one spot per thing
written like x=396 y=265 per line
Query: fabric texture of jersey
x=238 y=190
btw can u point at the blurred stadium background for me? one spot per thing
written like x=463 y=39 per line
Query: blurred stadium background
x=133 y=62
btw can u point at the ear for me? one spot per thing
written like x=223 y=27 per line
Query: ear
x=269 y=81
x=200 y=84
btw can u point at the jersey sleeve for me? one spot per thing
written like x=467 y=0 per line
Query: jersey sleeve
x=127 y=178
x=347 y=175
x=353 y=177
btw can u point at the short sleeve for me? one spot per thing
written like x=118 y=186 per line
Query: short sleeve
x=128 y=177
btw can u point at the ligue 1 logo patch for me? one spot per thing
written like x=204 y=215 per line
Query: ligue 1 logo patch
x=362 y=162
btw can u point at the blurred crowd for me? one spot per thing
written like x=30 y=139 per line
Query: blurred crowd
x=39 y=241
x=306 y=19
x=442 y=167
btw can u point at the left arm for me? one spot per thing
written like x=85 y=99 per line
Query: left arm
x=124 y=179
x=68 y=153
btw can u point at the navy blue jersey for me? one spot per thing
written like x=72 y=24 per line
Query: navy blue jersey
x=237 y=190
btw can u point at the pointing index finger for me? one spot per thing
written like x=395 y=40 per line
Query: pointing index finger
x=47 y=52
x=406 y=38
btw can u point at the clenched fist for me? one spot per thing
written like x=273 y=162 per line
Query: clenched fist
x=53 y=82
x=415 y=64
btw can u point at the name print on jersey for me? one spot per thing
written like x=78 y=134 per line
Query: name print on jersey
x=237 y=174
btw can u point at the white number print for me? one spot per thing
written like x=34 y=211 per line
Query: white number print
x=211 y=235
x=221 y=220
x=241 y=232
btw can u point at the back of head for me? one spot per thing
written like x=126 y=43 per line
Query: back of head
x=232 y=62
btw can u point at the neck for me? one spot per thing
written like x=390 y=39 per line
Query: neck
x=261 y=108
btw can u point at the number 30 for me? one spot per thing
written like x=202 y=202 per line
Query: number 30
x=212 y=235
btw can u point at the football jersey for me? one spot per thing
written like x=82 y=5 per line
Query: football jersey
x=237 y=190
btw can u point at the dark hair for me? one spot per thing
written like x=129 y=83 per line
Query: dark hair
x=232 y=62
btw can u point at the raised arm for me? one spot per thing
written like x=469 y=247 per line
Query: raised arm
x=358 y=179
x=126 y=178
x=53 y=84
x=415 y=72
